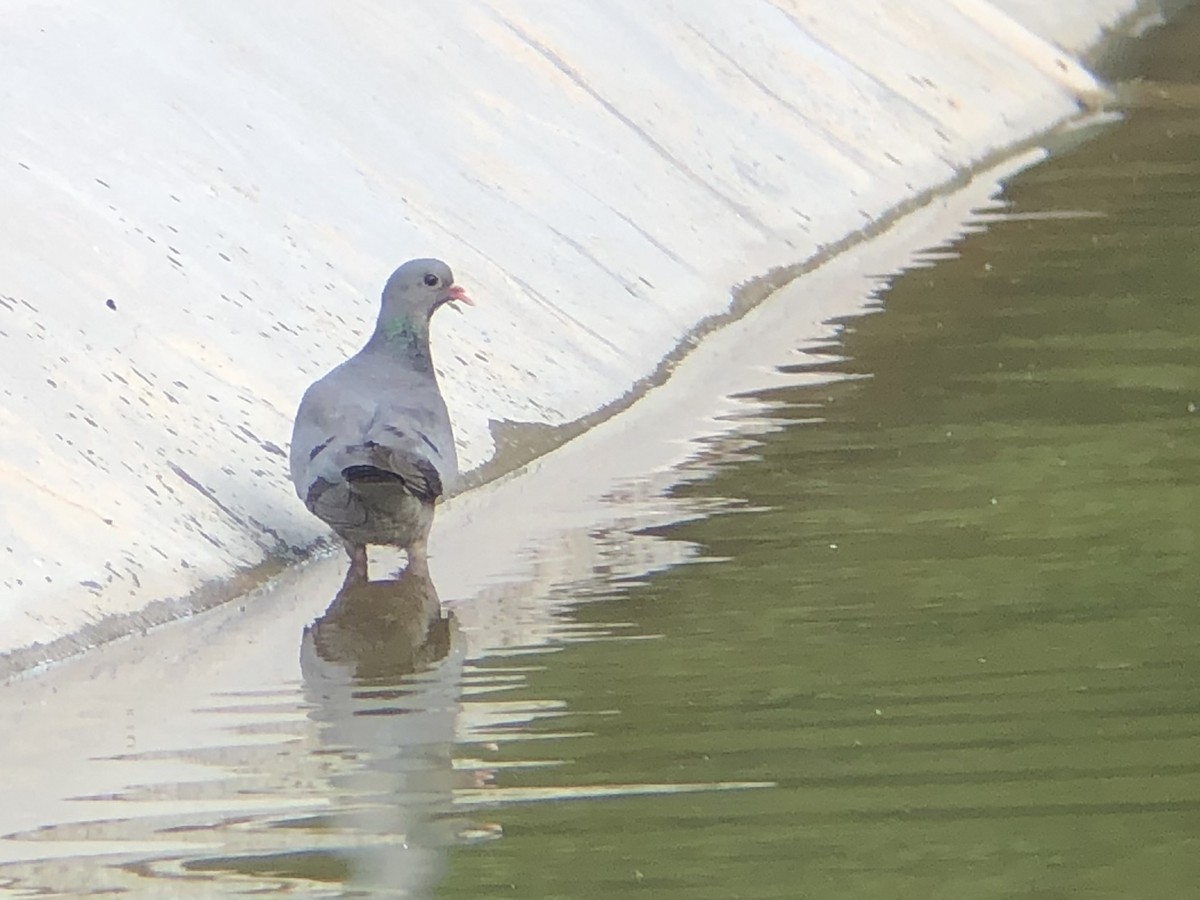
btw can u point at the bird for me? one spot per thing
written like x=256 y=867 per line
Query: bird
x=372 y=447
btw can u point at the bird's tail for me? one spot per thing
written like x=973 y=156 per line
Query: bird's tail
x=373 y=467
x=369 y=474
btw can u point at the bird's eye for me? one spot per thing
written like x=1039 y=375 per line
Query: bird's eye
x=431 y=280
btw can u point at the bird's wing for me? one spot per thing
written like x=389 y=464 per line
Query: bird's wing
x=328 y=419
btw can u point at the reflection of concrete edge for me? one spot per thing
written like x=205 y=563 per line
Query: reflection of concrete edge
x=483 y=797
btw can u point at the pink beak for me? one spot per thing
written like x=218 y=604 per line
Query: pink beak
x=460 y=293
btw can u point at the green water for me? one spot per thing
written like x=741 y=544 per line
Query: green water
x=952 y=622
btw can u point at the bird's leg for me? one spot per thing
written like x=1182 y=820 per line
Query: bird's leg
x=358 y=563
x=418 y=554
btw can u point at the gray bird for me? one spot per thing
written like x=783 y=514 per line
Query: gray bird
x=372 y=448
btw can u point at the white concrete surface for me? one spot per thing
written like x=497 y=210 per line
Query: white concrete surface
x=239 y=179
x=1075 y=27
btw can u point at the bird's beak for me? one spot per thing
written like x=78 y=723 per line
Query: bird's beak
x=459 y=293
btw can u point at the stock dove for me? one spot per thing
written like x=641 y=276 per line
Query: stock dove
x=372 y=448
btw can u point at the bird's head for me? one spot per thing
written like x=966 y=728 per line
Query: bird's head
x=416 y=289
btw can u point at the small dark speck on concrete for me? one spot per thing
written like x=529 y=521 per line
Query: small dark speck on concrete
x=111 y=303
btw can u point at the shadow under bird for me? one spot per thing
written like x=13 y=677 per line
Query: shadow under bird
x=372 y=448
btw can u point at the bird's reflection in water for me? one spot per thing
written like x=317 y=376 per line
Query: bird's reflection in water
x=382 y=671
x=384 y=629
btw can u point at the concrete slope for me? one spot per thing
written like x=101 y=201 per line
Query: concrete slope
x=202 y=201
